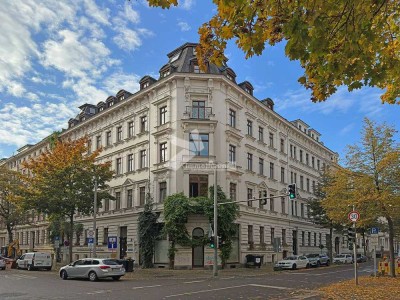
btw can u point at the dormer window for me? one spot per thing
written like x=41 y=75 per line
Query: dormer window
x=229 y=77
x=175 y=57
x=247 y=90
x=101 y=108
x=111 y=103
x=196 y=69
x=83 y=119
x=145 y=85
x=300 y=127
x=121 y=97
x=165 y=73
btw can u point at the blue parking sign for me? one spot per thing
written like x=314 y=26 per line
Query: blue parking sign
x=374 y=230
x=90 y=240
x=112 y=242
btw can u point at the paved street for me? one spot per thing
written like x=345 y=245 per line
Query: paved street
x=240 y=284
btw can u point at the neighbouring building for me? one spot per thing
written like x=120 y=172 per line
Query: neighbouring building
x=164 y=138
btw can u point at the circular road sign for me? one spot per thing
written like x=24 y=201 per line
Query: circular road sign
x=91 y=233
x=354 y=216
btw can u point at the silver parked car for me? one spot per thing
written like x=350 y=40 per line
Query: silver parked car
x=93 y=269
x=317 y=260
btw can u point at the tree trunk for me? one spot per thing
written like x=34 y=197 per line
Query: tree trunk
x=365 y=245
x=10 y=234
x=71 y=235
x=330 y=252
x=171 y=255
x=391 y=246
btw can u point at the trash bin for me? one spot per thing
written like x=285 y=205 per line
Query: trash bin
x=254 y=260
x=129 y=265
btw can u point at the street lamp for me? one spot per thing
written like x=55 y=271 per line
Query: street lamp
x=94 y=214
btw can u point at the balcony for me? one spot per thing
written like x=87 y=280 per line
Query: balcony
x=198 y=112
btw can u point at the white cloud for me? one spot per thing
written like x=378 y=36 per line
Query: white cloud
x=100 y=15
x=130 y=14
x=187 y=4
x=128 y=39
x=118 y=81
x=184 y=26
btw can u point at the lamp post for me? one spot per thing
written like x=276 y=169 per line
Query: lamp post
x=215 y=267
x=94 y=215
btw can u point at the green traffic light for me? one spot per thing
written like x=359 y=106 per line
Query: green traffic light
x=212 y=246
x=292 y=196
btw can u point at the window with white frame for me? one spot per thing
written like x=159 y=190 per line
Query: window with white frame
x=232 y=118
x=130 y=162
x=232 y=153
x=163 y=152
x=163 y=115
x=143 y=159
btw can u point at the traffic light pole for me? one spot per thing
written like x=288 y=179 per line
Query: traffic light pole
x=215 y=267
x=355 y=251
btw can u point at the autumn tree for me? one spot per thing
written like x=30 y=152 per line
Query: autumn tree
x=61 y=181
x=370 y=181
x=11 y=213
x=348 y=42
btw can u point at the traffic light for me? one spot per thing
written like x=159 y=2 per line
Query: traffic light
x=211 y=242
x=292 y=191
x=264 y=198
x=351 y=233
x=220 y=242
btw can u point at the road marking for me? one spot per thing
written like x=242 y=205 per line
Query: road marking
x=19 y=277
x=271 y=286
x=319 y=274
x=144 y=287
x=227 y=288
x=194 y=281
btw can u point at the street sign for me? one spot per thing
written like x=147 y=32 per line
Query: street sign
x=90 y=240
x=374 y=230
x=112 y=242
x=90 y=233
x=354 y=216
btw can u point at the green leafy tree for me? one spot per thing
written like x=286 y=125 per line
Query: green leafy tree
x=348 y=42
x=11 y=212
x=149 y=231
x=369 y=182
x=63 y=182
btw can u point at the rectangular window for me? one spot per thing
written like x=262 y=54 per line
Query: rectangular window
x=119 y=133
x=143 y=124
x=163 y=152
x=294 y=152
x=261 y=194
x=309 y=239
x=271 y=140
x=272 y=235
x=98 y=142
x=315 y=239
x=283 y=236
x=320 y=239
x=106 y=204
x=301 y=182
x=308 y=184
x=118 y=168
x=249 y=161
x=117 y=200
x=282 y=174
x=89 y=146
x=163 y=191
x=313 y=187
x=232 y=118
x=301 y=155
x=142 y=195
x=105 y=236
x=130 y=162
x=313 y=162
x=198 y=144
x=232 y=191
x=302 y=210
x=272 y=203
x=130 y=129
x=283 y=205
x=199 y=110
x=291 y=151
x=261 y=166
x=271 y=170
x=262 y=241
x=163 y=115
x=261 y=134
x=129 y=200
x=143 y=159
x=282 y=145
x=249 y=196
x=295 y=208
x=303 y=238
x=198 y=185
x=232 y=154
x=249 y=127
x=307 y=159
x=318 y=164
x=250 y=234
x=108 y=138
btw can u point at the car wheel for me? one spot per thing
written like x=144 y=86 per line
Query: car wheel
x=318 y=264
x=116 y=278
x=30 y=268
x=307 y=266
x=93 y=276
x=64 y=275
x=294 y=267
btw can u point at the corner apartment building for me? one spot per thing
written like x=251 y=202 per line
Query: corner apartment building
x=164 y=138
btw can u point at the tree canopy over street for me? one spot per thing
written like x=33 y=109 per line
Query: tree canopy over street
x=347 y=42
x=60 y=182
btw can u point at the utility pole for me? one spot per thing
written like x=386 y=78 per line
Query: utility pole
x=215 y=267
x=355 y=250
x=94 y=215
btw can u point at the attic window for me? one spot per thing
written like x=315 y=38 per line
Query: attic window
x=247 y=90
x=300 y=127
x=165 y=73
x=111 y=103
x=101 y=108
x=92 y=110
x=122 y=98
x=175 y=57
x=196 y=69
x=83 y=118
x=194 y=51
x=145 y=85
x=229 y=77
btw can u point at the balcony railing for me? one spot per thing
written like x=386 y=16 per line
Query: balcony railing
x=199 y=112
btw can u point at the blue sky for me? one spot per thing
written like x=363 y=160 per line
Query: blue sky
x=57 y=55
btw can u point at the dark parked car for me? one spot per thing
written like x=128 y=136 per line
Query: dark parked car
x=317 y=260
x=361 y=258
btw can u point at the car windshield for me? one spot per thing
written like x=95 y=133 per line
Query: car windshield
x=110 y=262
x=340 y=255
x=291 y=258
x=312 y=255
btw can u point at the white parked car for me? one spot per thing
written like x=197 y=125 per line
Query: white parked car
x=343 y=259
x=2 y=263
x=93 y=269
x=293 y=262
x=35 y=260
